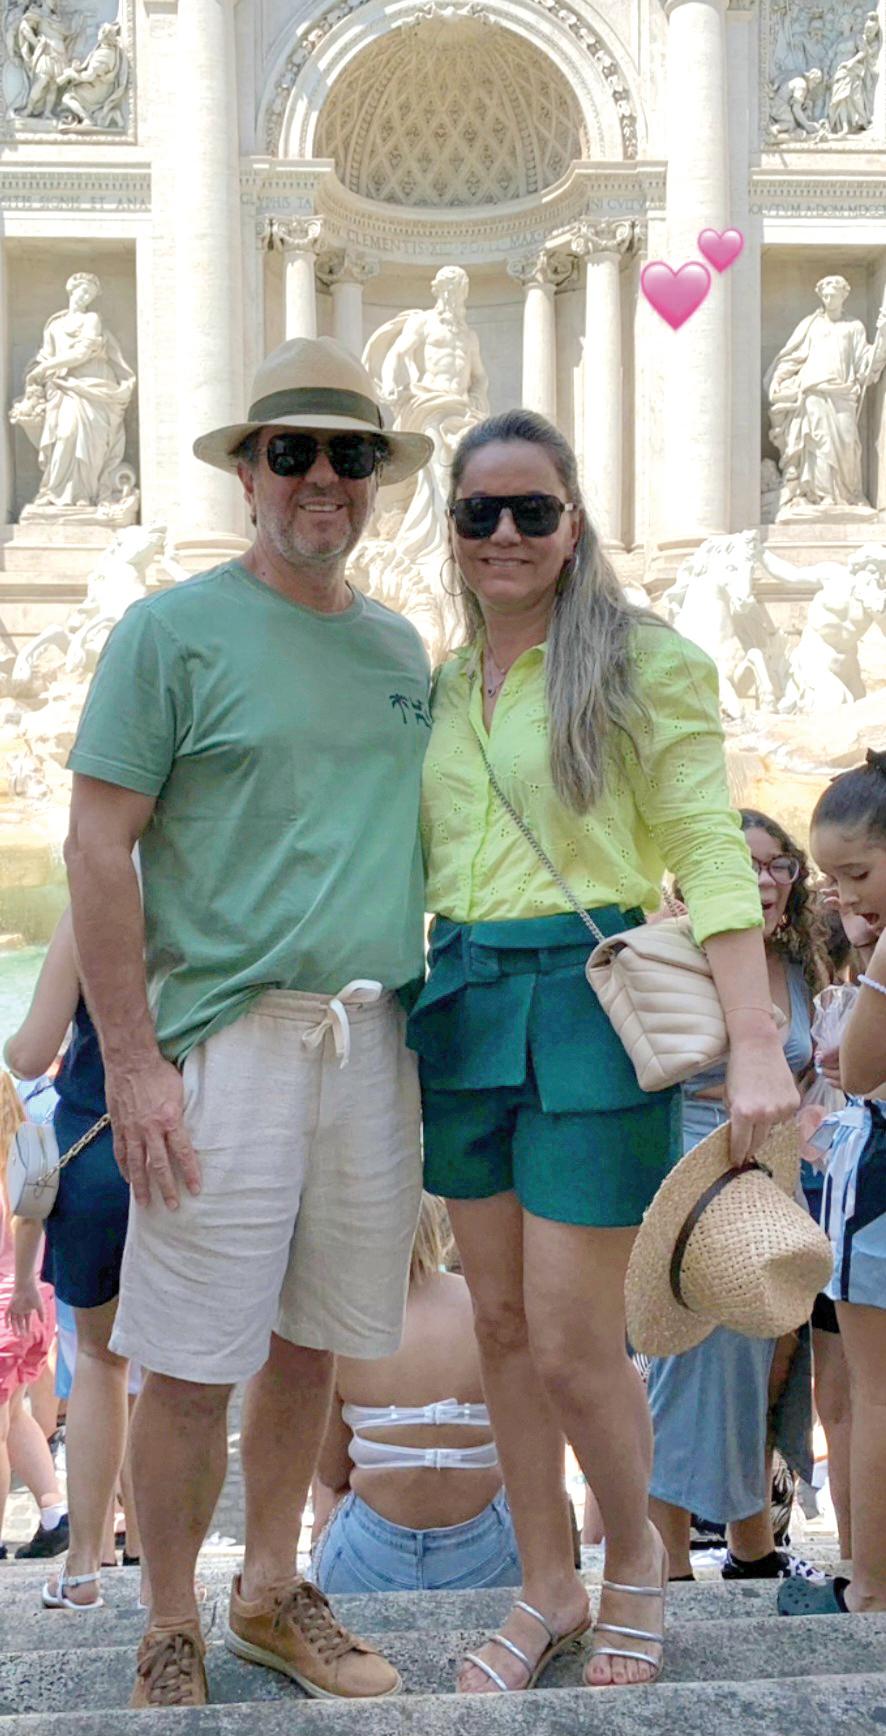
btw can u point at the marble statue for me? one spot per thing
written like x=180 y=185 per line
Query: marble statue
x=712 y=602
x=48 y=684
x=824 y=64
x=428 y=369
x=379 y=567
x=816 y=387
x=851 y=107
x=118 y=578
x=792 y=104
x=849 y=599
x=76 y=391
x=61 y=88
x=42 y=43
x=94 y=90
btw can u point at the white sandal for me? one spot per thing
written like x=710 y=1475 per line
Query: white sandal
x=58 y=1600
x=556 y=1644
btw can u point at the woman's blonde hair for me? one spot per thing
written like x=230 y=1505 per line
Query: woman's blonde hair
x=434 y=1243
x=590 y=685
x=11 y=1117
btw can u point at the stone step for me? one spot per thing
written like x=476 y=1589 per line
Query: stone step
x=835 y=1705
x=754 y=1650
x=25 y=1626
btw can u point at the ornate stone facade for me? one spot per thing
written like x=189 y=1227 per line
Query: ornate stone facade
x=239 y=173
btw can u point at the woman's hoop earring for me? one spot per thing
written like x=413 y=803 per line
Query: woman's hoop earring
x=460 y=587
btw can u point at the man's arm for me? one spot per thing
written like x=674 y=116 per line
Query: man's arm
x=144 y=1091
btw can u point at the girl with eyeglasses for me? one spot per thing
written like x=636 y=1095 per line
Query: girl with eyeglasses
x=600 y=727
x=711 y=1407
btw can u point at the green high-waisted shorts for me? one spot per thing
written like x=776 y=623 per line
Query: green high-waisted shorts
x=525 y=1085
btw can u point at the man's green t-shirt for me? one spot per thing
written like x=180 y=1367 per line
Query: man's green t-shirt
x=284 y=748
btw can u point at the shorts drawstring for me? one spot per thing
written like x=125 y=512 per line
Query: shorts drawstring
x=359 y=993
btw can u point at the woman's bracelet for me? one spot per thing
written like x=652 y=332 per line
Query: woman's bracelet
x=871 y=983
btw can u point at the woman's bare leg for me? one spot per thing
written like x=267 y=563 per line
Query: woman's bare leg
x=95 y=1440
x=592 y=1523
x=863 y=1330
x=835 y=1414
x=489 y=1234
x=29 y=1455
x=42 y=1400
x=5 y=1472
x=574 y=1290
x=674 y=1527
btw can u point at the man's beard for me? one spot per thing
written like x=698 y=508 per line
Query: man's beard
x=300 y=551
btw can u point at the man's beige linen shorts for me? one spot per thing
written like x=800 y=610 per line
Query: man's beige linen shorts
x=311 y=1184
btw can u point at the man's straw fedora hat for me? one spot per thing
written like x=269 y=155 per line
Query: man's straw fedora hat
x=725 y=1247
x=315 y=383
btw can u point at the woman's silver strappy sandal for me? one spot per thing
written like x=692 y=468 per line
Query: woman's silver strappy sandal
x=556 y=1645
x=629 y=1633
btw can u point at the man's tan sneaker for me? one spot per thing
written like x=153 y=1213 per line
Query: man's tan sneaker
x=294 y=1630
x=171 y=1670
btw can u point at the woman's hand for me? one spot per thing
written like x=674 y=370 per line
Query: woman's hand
x=827 y=1063
x=26 y=1300
x=760 y=1093
x=861 y=935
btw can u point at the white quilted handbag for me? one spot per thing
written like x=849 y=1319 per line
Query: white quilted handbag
x=655 y=984
x=34 y=1166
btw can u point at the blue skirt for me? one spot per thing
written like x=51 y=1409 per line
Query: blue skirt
x=86 y=1229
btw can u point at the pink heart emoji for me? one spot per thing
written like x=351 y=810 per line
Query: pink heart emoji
x=675 y=294
x=720 y=250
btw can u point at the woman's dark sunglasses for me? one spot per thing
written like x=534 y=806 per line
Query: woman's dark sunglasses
x=352 y=456
x=477 y=515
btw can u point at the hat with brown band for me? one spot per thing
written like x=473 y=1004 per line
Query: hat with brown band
x=720 y=1246
x=316 y=384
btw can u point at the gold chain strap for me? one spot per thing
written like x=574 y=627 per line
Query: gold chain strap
x=75 y=1150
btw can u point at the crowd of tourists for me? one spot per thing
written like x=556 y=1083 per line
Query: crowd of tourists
x=397 y=1197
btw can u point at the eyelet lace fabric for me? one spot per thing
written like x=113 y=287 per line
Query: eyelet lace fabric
x=171 y=1667
x=664 y=806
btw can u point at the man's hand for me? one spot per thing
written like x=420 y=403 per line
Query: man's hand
x=146 y=1105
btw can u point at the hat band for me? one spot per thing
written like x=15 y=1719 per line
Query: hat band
x=315 y=401
x=694 y=1217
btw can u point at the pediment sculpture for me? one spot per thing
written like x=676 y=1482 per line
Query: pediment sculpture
x=825 y=61
x=66 y=81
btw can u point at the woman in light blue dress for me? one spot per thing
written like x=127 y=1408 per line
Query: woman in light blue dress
x=711 y=1406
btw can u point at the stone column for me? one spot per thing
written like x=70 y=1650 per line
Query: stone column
x=5 y=433
x=541 y=275
x=211 y=389
x=345 y=273
x=695 y=500
x=297 y=239
x=602 y=246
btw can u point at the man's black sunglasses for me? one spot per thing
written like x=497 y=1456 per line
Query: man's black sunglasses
x=477 y=515
x=352 y=456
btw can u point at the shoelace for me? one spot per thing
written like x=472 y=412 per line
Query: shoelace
x=169 y=1668
x=303 y=1604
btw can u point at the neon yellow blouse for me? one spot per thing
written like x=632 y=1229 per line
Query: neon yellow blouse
x=669 y=809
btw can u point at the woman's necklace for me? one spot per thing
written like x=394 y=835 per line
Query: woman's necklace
x=493 y=677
